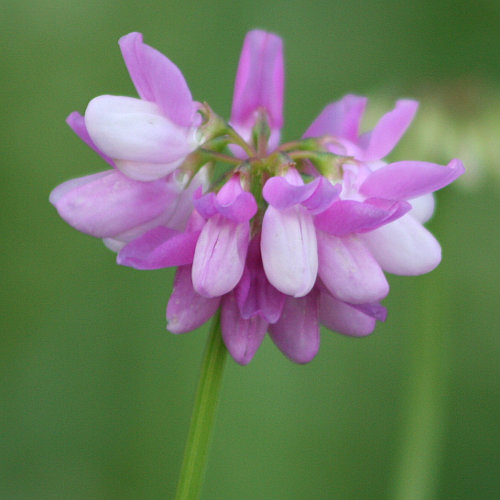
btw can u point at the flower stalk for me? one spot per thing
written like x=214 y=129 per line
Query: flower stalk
x=203 y=416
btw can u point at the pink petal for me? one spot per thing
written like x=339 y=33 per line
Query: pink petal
x=77 y=123
x=341 y=119
x=219 y=258
x=410 y=179
x=422 y=207
x=259 y=80
x=296 y=334
x=241 y=336
x=289 y=250
x=133 y=130
x=316 y=195
x=161 y=247
x=381 y=140
x=157 y=79
x=187 y=310
x=344 y=217
x=374 y=310
x=146 y=172
x=343 y=318
x=254 y=294
x=231 y=202
x=404 y=247
x=109 y=203
x=349 y=271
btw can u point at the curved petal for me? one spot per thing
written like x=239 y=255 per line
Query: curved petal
x=259 y=80
x=157 y=79
x=374 y=310
x=343 y=318
x=404 y=247
x=344 y=217
x=77 y=123
x=405 y=180
x=231 y=201
x=422 y=207
x=340 y=119
x=130 y=129
x=349 y=271
x=186 y=309
x=254 y=294
x=289 y=250
x=381 y=140
x=161 y=247
x=316 y=196
x=241 y=336
x=109 y=203
x=219 y=258
x=296 y=334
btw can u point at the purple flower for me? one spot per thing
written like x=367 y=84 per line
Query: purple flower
x=146 y=138
x=112 y=206
x=375 y=196
x=259 y=86
x=281 y=238
x=219 y=257
x=289 y=246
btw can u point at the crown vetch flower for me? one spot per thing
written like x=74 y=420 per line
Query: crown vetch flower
x=282 y=238
x=259 y=86
x=147 y=138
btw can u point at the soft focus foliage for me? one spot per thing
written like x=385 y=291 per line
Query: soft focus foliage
x=96 y=396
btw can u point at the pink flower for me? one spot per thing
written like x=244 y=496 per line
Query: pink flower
x=219 y=257
x=215 y=241
x=289 y=246
x=402 y=245
x=112 y=206
x=146 y=138
x=281 y=238
x=259 y=86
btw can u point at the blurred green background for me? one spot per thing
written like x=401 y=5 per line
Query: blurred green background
x=95 y=395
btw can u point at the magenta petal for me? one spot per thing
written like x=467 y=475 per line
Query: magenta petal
x=410 y=179
x=381 y=140
x=161 y=247
x=374 y=310
x=109 y=203
x=349 y=271
x=231 y=202
x=282 y=195
x=219 y=258
x=316 y=196
x=241 y=336
x=187 y=310
x=77 y=123
x=324 y=195
x=344 y=217
x=158 y=79
x=340 y=119
x=259 y=80
x=343 y=318
x=297 y=332
x=254 y=294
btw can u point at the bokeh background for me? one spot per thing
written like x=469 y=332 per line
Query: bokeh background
x=95 y=395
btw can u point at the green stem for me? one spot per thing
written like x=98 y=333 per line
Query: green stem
x=237 y=139
x=203 y=417
x=214 y=155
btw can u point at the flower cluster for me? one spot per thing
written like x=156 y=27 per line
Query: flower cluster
x=281 y=237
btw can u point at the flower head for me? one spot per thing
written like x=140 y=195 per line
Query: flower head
x=282 y=238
